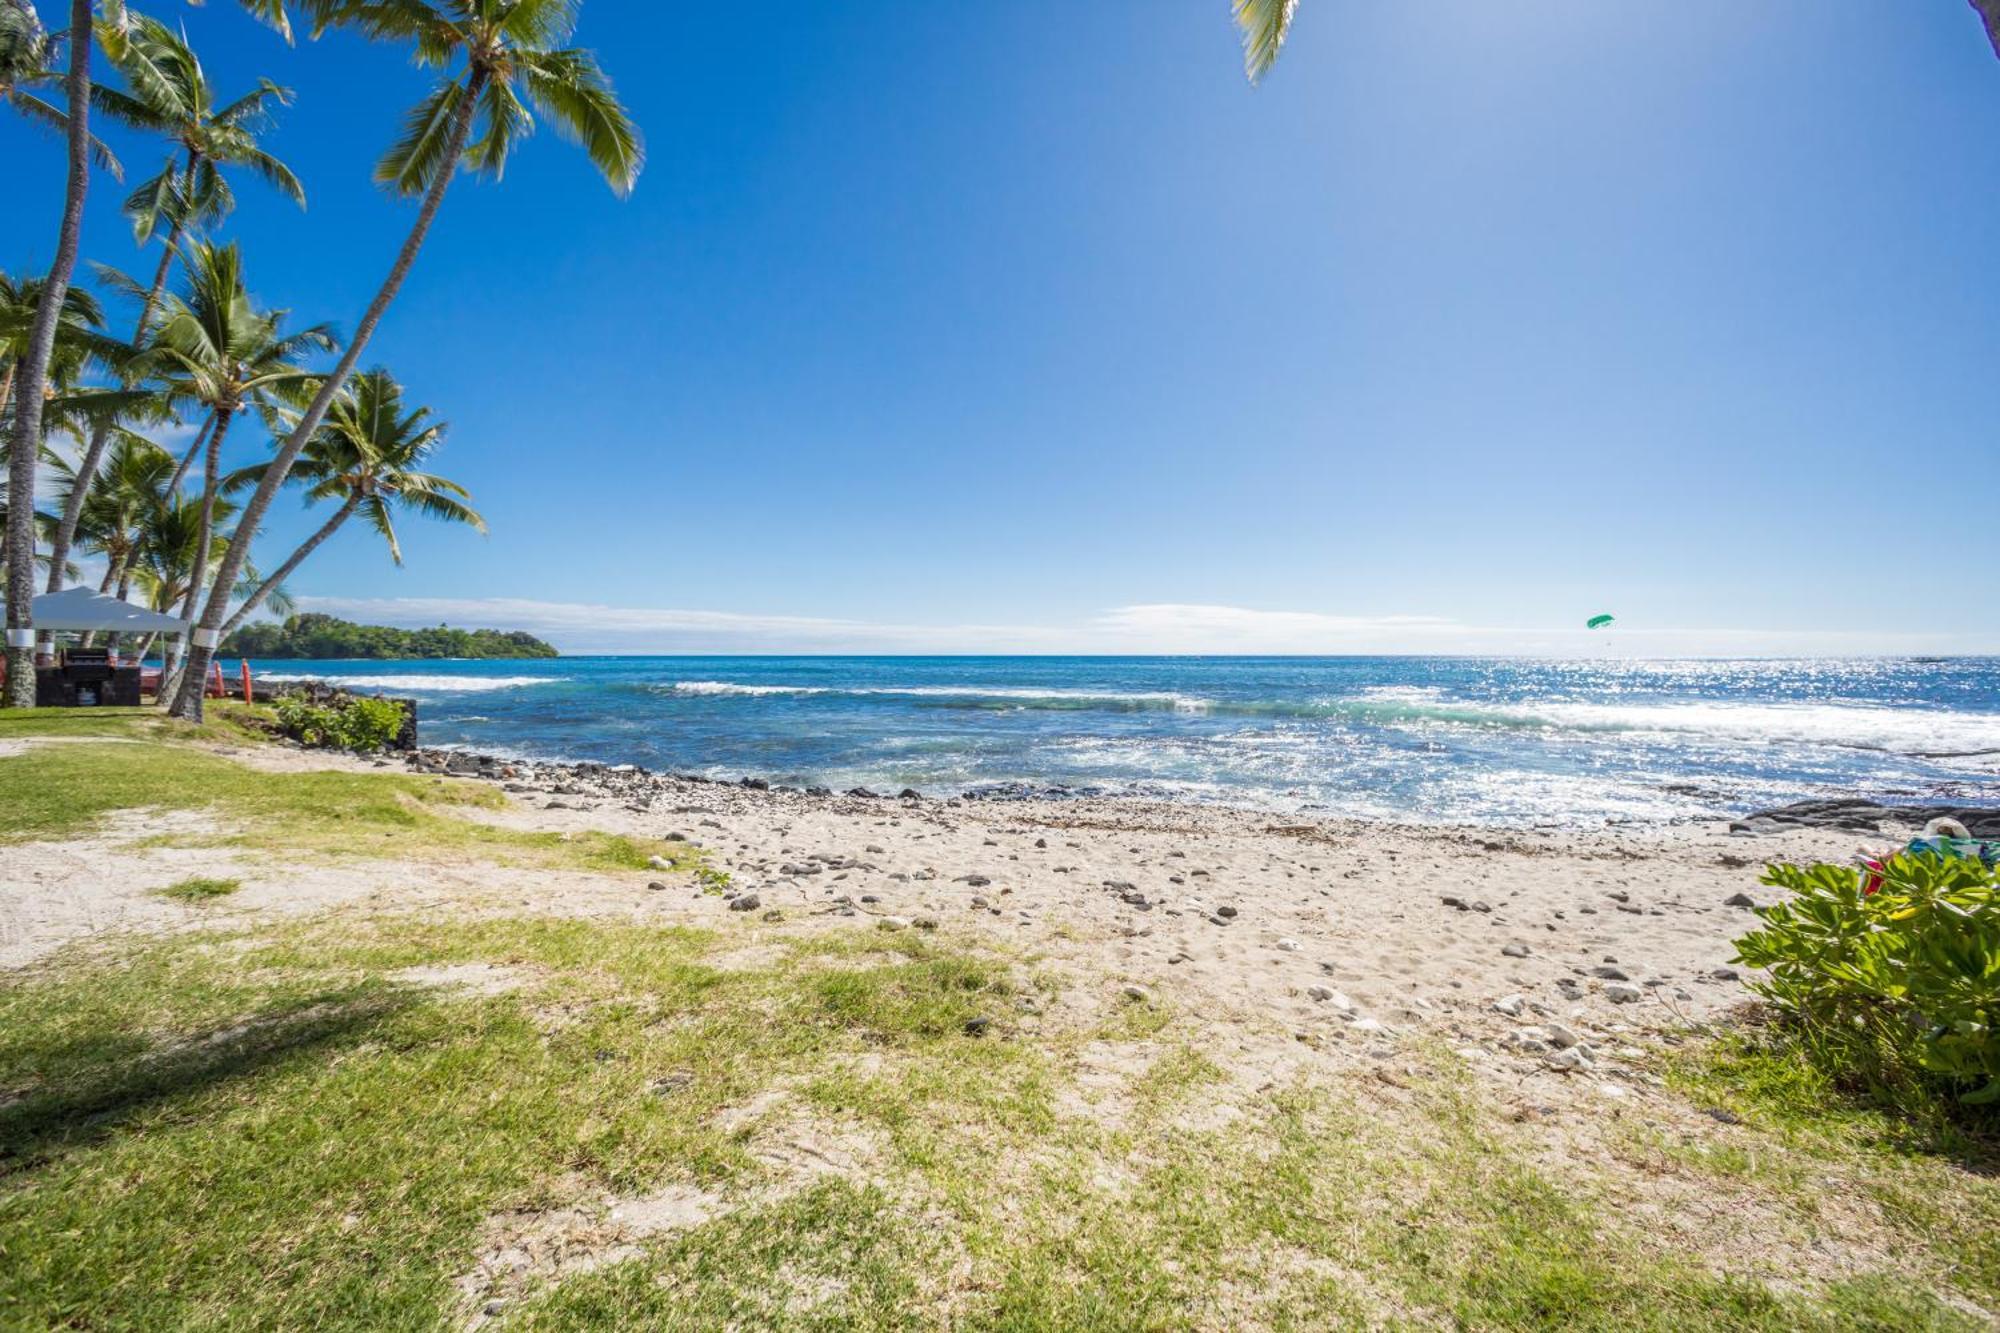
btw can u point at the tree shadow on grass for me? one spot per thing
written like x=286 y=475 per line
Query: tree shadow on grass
x=109 y=1087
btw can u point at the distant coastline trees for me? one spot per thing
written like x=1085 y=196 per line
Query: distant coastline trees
x=312 y=635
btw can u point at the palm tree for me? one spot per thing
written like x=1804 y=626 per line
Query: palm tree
x=164 y=565
x=495 y=53
x=171 y=96
x=77 y=323
x=220 y=351
x=366 y=455
x=1265 y=24
x=34 y=370
x=126 y=491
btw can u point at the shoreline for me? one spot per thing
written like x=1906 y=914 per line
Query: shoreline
x=1850 y=813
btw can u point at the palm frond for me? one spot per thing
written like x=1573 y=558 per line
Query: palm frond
x=272 y=13
x=570 y=88
x=540 y=24
x=275 y=173
x=503 y=122
x=376 y=511
x=413 y=161
x=1265 y=24
x=252 y=105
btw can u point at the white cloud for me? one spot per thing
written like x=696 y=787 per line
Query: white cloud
x=1160 y=627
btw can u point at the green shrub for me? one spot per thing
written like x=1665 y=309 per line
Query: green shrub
x=357 y=723
x=1904 y=979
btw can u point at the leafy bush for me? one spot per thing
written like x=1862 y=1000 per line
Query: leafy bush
x=353 y=722
x=1906 y=978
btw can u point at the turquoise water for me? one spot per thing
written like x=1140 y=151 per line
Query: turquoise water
x=1477 y=740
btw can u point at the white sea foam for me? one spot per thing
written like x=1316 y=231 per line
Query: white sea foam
x=1862 y=726
x=727 y=687
x=419 y=684
x=1022 y=693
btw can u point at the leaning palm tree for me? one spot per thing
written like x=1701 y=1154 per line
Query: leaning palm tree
x=171 y=96
x=33 y=378
x=501 y=58
x=367 y=456
x=220 y=351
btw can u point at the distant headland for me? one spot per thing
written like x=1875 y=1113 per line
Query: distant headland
x=312 y=635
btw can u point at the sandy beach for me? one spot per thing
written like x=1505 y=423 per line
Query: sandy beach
x=1339 y=934
x=1433 y=998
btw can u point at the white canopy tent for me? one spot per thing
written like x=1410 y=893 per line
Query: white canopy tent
x=81 y=609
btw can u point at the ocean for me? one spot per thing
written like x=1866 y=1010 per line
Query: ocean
x=1484 y=741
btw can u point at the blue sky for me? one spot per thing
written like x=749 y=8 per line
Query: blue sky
x=1030 y=326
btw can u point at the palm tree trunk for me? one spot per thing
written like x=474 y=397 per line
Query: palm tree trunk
x=211 y=472
x=187 y=704
x=193 y=452
x=35 y=374
x=284 y=571
x=6 y=386
x=100 y=436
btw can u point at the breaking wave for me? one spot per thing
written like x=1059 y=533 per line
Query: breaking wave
x=418 y=684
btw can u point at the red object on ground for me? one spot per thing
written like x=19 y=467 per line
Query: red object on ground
x=216 y=689
x=247 y=696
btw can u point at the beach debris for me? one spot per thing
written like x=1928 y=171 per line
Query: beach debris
x=1514 y=949
x=1510 y=1005
x=1610 y=974
x=1289 y=945
x=976 y=1027
x=1619 y=992
x=1739 y=900
x=745 y=902
x=1137 y=994
x=659 y=863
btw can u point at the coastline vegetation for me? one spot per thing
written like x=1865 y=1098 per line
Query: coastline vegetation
x=312 y=635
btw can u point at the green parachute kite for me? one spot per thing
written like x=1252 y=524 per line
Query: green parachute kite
x=1597 y=622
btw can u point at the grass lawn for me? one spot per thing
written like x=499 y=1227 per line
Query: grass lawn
x=374 y=1120
x=123 y=759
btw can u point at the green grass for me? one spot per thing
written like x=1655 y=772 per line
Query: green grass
x=270 y=1130
x=1928 y=1162
x=199 y=889
x=61 y=790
